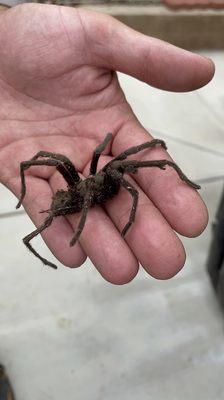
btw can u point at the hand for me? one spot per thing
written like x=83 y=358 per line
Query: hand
x=59 y=93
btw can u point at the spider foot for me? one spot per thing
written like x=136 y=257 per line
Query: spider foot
x=50 y=264
x=193 y=185
x=44 y=260
x=160 y=142
x=73 y=242
x=124 y=231
x=18 y=205
x=163 y=144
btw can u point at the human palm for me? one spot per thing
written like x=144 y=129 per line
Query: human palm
x=59 y=93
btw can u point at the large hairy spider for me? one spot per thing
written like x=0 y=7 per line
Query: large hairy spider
x=97 y=188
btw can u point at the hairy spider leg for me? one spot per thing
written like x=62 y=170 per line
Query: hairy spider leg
x=70 y=174
x=134 y=193
x=82 y=220
x=98 y=151
x=25 y=165
x=137 y=149
x=133 y=165
x=27 y=239
x=66 y=168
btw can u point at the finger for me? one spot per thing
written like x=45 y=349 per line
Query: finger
x=57 y=236
x=158 y=63
x=106 y=249
x=102 y=242
x=181 y=205
x=152 y=240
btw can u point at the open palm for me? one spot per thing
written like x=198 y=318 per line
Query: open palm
x=59 y=93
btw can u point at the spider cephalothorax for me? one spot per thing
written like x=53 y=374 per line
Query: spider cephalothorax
x=97 y=188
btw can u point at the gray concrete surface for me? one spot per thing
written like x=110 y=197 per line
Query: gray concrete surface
x=71 y=335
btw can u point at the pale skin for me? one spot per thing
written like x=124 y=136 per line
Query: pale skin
x=59 y=93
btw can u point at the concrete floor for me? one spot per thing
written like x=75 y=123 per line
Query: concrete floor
x=71 y=335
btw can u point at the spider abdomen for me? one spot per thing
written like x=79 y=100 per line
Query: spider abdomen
x=67 y=202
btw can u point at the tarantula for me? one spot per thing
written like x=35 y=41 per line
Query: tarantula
x=97 y=188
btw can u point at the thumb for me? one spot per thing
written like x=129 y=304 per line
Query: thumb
x=151 y=60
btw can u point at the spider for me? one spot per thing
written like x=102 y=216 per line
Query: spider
x=97 y=188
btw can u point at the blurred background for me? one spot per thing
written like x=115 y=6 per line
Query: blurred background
x=71 y=335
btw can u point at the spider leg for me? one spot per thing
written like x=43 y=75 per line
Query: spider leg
x=82 y=220
x=137 y=149
x=65 y=166
x=97 y=153
x=134 y=193
x=133 y=165
x=51 y=162
x=27 y=239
